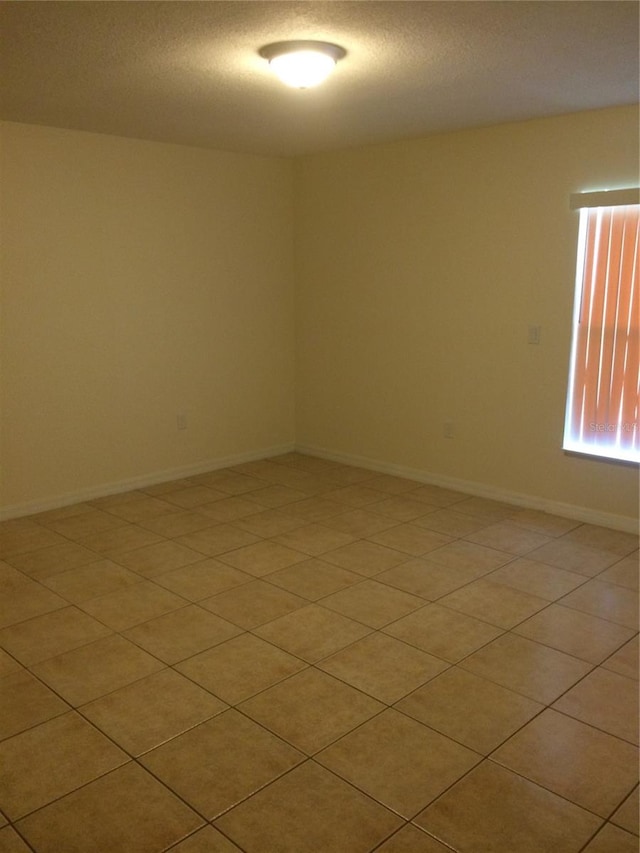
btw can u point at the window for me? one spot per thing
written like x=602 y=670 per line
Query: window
x=604 y=380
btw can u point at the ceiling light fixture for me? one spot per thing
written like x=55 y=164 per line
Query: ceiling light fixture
x=302 y=64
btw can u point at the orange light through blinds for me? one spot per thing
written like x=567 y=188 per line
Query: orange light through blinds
x=604 y=383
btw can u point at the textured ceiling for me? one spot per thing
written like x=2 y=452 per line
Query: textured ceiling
x=189 y=72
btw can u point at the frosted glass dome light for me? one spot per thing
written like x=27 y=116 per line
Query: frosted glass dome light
x=302 y=64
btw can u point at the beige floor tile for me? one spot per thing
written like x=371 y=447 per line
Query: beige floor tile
x=437 y=495
x=253 y=604
x=399 y=508
x=624 y=573
x=132 y=605
x=305 y=462
x=91 y=581
x=604 y=538
x=392 y=484
x=91 y=671
x=229 y=482
x=529 y=668
x=355 y=495
x=315 y=509
x=383 y=667
x=314 y=578
x=141 y=508
x=360 y=522
x=158 y=558
x=576 y=633
x=398 y=761
x=625 y=660
x=23 y=599
x=468 y=555
x=216 y=540
x=346 y=474
x=230 y=509
x=50 y=561
x=262 y=558
x=268 y=474
x=420 y=576
x=110 y=543
x=221 y=762
x=507 y=536
x=118 y=499
x=25 y=539
x=8 y=666
x=612 y=839
x=443 y=632
x=365 y=558
x=568 y=554
x=193 y=496
x=543 y=522
x=207 y=840
x=240 y=667
x=375 y=604
x=51 y=634
x=493 y=602
x=307 y=811
x=311 y=709
x=203 y=579
x=125 y=810
x=70 y=752
x=444 y=704
x=410 y=539
x=273 y=497
x=270 y=522
x=178 y=524
x=26 y=702
x=449 y=522
x=605 y=700
x=410 y=839
x=160 y=489
x=312 y=632
x=626 y=816
x=574 y=760
x=538 y=579
x=182 y=633
x=10 y=841
x=314 y=539
x=606 y=600
x=486 y=508
x=145 y=714
x=494 y=809
x=86 y=524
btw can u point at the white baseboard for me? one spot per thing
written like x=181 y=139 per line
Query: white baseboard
x=152 y=479
x=578 y=513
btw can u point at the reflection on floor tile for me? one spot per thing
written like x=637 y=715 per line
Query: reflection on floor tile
x=298 y=656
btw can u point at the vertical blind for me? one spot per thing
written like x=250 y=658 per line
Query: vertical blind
x=604 y=383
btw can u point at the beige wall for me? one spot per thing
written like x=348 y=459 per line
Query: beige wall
x=142 y=280
x=420 y=266
x=139 y=281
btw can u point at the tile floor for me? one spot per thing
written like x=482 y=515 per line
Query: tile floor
x=296 y=655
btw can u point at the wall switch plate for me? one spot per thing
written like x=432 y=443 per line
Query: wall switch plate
x=181 y=420
x=533 y=336
x=448 y=429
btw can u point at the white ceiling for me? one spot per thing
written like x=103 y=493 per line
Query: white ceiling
x=189 y=72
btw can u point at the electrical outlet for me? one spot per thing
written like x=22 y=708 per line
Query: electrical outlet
x=533 y=336
x=181 y=420
x=448 y=429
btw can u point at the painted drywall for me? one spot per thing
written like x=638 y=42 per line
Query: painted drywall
x=420 y=266
x=139 y=281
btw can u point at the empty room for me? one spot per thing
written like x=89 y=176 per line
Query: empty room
x=319 y=428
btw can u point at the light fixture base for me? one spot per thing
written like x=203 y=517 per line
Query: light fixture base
x=302 y=64
x=278 y=48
